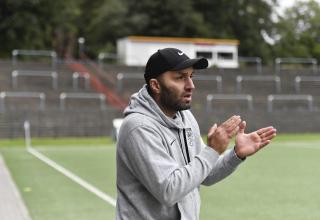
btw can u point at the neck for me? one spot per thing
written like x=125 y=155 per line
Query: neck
x=166 y=111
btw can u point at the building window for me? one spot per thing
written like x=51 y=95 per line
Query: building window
x=204 y=54
x=225 y=56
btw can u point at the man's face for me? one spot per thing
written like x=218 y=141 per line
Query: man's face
x=176 y=90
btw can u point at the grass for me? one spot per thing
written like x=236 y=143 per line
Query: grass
x=281 y=182
x=50 y=195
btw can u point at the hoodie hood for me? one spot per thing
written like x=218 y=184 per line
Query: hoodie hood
x=142 y=103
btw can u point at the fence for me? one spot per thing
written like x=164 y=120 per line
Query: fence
x=275 y=79
x=217 y=79
x=40 y=95
x=64 y=96
x=255 y=60
x=229 y=97
x=38 y=53
x=293 y=60
x=290 y=98
x=125 y=76
x=299 y=79
x=52 y=74
x=76 y=77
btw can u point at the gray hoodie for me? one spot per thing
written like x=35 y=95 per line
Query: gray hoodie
x=161 y=163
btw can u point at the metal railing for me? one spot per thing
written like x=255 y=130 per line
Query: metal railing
x=299 y=79
x=64 y=96
x=229 y=97
x=102 y=56
x=40 y=95
x=38 y=73
x=217 y=79
x=256 y=60
x=293 y=60
x=289 y=98
x=38 y=53
x=76 y=77
x=125 y=76
x=275 y=79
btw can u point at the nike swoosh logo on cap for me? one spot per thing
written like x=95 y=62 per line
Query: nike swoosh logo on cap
x=180 y=53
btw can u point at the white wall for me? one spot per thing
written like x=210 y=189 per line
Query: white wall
x=137 y=53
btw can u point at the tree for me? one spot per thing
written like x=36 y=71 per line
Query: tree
x=165 y=18
x=299 y=31
x=244 y=20
x=31 y=24
x=114 y=19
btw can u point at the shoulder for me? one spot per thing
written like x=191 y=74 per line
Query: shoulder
x=136 y=121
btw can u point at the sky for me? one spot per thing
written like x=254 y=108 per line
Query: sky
x=288 y=3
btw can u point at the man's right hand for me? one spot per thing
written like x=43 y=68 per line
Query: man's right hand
x=219 y=136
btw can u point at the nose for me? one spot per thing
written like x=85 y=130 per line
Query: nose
x=189 y=83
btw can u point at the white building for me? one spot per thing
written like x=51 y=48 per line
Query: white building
x=135 y=50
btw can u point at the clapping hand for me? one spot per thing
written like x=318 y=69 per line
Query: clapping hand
x=220 y=136
x=249 y=144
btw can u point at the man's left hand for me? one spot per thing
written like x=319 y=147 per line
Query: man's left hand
x=249 y=144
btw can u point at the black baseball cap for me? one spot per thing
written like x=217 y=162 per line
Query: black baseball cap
x=171 y=59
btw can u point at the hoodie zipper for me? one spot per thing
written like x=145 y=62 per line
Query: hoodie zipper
x=185 y=155
x=186 y=145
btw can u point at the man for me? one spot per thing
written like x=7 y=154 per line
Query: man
x=161 y=159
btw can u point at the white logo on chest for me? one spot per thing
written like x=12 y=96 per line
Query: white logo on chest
x=189 y=137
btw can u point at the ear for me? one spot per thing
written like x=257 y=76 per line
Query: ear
x=155 y=86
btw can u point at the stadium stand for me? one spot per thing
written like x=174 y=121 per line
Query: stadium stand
x=259 y=83
x=76 y=80
x=125 y=80
x=88 y=97
x=294 y=100
x=40 y=96
x=223 y=101
x=212 y=80
x=35 y=73
x=35 y=98
x=294 y=64
x=87 y=117
x=257 y=61
x=310 y=84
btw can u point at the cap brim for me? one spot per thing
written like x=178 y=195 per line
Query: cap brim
x=198 y=63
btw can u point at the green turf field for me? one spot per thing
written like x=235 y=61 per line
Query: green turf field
x=281 y=182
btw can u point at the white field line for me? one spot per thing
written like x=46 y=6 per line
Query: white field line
x=72 y=176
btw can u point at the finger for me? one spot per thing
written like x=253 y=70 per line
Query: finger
x=268 y=134
x=233 y=132
x=212 y=130
x=270 y=137
x=231 y=120
x=232 y=124
x=234 y=128
x=263 y=130
x=242 y=126
x=265 y=143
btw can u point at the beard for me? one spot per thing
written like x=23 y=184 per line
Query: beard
x=169 y=99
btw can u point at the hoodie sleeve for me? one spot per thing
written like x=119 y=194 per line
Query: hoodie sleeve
x=225 y=165
x=145 y=155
